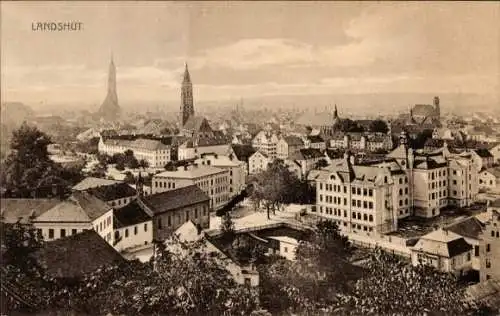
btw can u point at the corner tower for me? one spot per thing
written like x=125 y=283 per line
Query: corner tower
x=187 y=106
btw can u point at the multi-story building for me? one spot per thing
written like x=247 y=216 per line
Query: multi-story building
x=237 y=170
x=489 y=179
x=258 y=162
x=361 y=142
x=133 y=227
x=81 y=211
x=489 y=248
x=306 y=159
x=437 y=180
x=211 y=180
x=266 y=142
x=315 y=141
x=171 y=209
x=359 y=198
x=153 y=151
x=287 y=146
x=444 y=250
x=115 y=195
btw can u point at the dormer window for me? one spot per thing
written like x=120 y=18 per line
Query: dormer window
x=332 y=177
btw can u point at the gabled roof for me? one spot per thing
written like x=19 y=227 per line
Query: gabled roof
x=306 y=154
x=258 y=152
x=293 y=141
x=470 y=227
x=79 y=207
x=25 y=210
x=130 y=214
x=188 y=232
x=194 y=123
x=190 y=172
x=91 y=182
x=424 y=110
x=175 y=199
x=78 y=254
x=315 y=139
x=112 y=192
x=442 y=243
x=243 y=152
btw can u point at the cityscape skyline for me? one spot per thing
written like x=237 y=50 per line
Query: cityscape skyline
x=366 y=48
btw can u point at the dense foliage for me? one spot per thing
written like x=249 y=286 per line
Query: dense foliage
x=189 y=280
x=277 y=185
x=378 y=126
x=28 y=169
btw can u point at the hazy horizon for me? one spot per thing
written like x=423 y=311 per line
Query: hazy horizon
x=256 y=50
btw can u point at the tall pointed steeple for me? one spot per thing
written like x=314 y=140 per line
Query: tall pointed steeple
x=187 y=106
x=335 y=113
x=110 y=110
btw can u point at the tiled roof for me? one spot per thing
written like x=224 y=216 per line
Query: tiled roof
x=315 y=139
x=112 y=192
x=306 y=154
x=443 y=243
x=494 y=171
x=130 y=214
x=194 y=123
x=91 y=182
x=424 y=110
x=243 y=152
x=470 y=227
x=79 y=207
x=293 y=140
x=76 y=255
x=144 y=144
x=174 y=199
x=24 y=210
x=192 y=172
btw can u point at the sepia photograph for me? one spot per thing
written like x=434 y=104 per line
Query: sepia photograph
x=250 y=158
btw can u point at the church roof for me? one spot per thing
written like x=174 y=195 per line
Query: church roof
x=194 y=123
x=424 y=110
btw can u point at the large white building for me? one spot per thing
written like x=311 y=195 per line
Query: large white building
x=267 y=143
x=258 y=162
x=154 y=152
x=237 y=170
x=211 y=180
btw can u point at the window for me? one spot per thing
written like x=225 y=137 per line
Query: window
x=468 y=256
x=370 y=192
x=146 y=227
x=487 y=247
x=73 y=232
x=370 y=218
x=187 y=216
x=51 y=233
x=488 y=263
x=63 y=233
x=492 y=233
x=126 y=232
x=135 y=230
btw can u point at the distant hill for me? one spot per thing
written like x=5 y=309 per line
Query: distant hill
x=14 y=113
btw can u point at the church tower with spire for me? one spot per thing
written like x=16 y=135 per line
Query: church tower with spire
x=110 y=109
x=187 y=106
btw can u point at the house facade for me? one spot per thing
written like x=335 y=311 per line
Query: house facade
x=258 y=162
x=236 y=169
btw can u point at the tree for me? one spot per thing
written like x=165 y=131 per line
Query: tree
x=348 y=126
x=143 y=164
x=378 y=126
x=28 y=168
x=227 y=227
x=395 y=287
x=129 y=178
x=120 y=165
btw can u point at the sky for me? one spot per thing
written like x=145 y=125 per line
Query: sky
x=243 y=50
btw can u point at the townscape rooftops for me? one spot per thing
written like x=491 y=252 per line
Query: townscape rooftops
x=112 y=192
x=91 y=182
x=307 y=154
x=77 y=255
x=79 y=207
x=175 y=199
x=141 y=144
x=424 y=110
x=130 y=214
x=483 y=153
x=442 y=243
x=293 y=140
x=470 y=227
x=190 y=172
x=194 y=123
x=315 y=139
x=24 y=210
x=243 y=152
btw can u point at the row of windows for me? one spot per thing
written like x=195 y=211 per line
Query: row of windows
x=435 y=195
x=401 y=180
x=493 y=234
x=202 y=212
x=102 y=225
x=439 y=173
x=62 y=232
x=119 y=202
x=366 y=204
x=165 y=184
x=136 y=231
x=438 y=184
x=401 y=191
x=339 y=212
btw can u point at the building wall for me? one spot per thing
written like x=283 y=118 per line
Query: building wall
x=456 y=265
x=118 y=203
x=134 y=235
x=237 y=173
x=103 y=225
x=155 y=158
x=489 y=250
x=185 y=153
x=55 y=229
x=282 y=149
x=430 y=191
x=166 y=223
x=257 y=163
x=488 y=181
